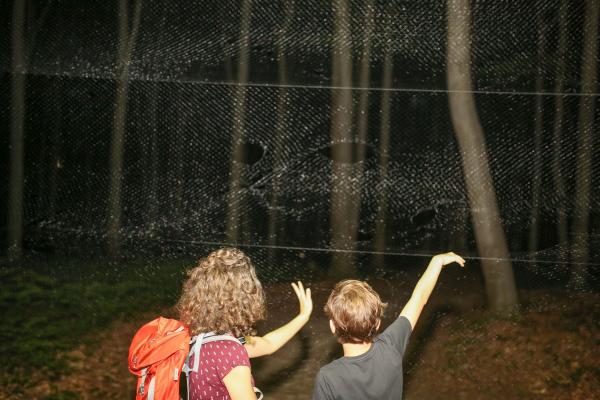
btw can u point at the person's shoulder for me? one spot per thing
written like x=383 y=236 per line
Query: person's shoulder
x=396 y=335
x=329 y=366
x=399 y=324
x=330 y=369
x=226 y=346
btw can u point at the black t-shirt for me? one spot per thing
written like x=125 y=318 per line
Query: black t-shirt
x=376 y=374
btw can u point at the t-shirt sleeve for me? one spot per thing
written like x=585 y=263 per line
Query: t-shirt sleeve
x=322 y=390
x=397 y=334
x=226 y=355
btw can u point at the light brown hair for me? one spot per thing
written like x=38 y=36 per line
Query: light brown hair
x=356 y=311
x=222 y=294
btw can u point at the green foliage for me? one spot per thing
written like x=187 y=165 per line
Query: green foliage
x=52 y=307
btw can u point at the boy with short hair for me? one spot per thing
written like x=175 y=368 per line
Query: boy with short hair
x=372 y=365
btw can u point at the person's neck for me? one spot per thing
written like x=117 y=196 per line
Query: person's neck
x=356 y=349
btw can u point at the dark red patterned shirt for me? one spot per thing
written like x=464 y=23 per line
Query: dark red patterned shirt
x=217 y=359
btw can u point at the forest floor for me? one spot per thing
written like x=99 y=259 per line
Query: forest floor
x=458 y=350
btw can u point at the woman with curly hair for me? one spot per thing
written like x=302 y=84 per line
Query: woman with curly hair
x=222 y=295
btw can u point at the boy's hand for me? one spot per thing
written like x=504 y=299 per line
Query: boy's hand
x=304 y=299
x=448 y=258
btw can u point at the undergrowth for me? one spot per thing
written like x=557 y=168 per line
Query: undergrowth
x=49 y=308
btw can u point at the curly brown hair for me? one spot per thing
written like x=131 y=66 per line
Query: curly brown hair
x=356 y=311
x=222 y=294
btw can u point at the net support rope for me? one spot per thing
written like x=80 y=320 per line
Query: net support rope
x=329 y=87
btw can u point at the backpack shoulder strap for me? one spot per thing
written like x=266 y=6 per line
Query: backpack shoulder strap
x=196 y=343
x=240 y=341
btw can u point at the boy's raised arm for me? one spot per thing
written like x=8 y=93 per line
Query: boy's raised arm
x=257 y=346
x=412 y=309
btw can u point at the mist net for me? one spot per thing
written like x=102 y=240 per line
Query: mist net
x=351 y=139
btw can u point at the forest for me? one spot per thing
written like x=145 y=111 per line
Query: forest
x=327 y=140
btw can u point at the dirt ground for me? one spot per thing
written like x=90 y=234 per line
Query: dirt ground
x=458 y=351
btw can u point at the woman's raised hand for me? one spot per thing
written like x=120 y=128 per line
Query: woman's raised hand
x=304 y=299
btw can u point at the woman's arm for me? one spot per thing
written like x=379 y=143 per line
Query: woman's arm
x=412 y=309
x=239 y=383
x=271 y=342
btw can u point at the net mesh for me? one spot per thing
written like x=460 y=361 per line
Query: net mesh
x=185 y=99
x=177 y=127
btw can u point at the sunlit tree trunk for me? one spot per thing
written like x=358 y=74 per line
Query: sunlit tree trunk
x=583 y=175
x=281 y=128
x=557 y=150
x=538 y=131
x=127 y=39
x=362 y=114
x=384 y=144
x=235 y=198
x=489 y=235
x=343 y=230
x=17 y=134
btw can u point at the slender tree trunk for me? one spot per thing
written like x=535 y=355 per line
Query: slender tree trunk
x=126 y=43
x=489 y=235
x=533 y=241
x=17 y=134
x=236 y=198
x=583 y=175
x=343 y=230
x=384 y=144
x=557 y=151
x=363 y=111
x=279 y=154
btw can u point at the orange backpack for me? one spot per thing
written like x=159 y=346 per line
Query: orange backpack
x=156 y=355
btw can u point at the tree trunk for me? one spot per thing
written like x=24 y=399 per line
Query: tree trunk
x=384 y=144
x=281 y=128
x=363 y=112
x=583 y=175
x=489 y=235
x=17 y=135
x=236 y=197
x=533 y=241
x=343 y=230
x=557 y=151
x=126 y=43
